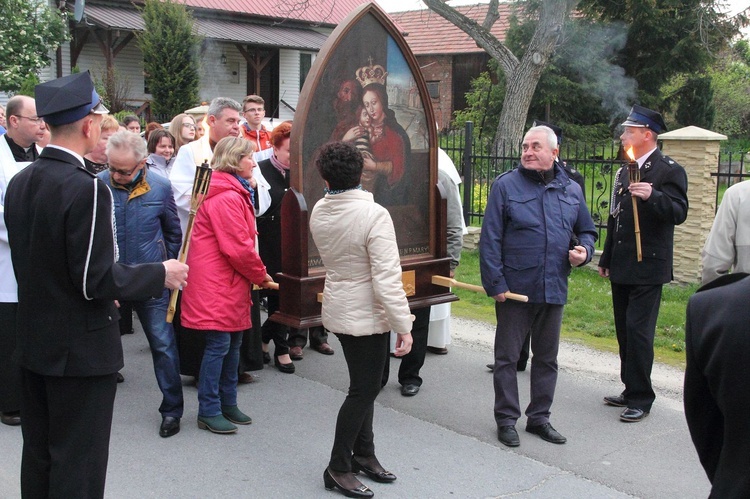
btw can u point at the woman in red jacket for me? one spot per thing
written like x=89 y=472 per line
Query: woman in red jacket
x=226 y=264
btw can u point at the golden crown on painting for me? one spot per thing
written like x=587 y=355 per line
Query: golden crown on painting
x=371 y=74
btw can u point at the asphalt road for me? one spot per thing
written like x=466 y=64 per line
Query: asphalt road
x=441 y=443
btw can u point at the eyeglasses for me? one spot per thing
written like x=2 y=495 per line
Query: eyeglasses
x=36 y=120
x=253 y=110
x=189 y=125
x=125 y=173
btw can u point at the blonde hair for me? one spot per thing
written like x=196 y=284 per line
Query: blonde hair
x=228 y=153
x=175 y=128
x=109 y=124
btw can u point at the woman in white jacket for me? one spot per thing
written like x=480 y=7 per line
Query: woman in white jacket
x=363 y=300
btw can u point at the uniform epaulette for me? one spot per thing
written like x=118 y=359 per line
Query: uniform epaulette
x=669 y=161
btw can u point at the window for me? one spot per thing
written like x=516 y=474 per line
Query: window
x=305 y=62
x=433 y=88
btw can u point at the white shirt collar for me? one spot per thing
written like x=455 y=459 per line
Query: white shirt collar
x=72 y=153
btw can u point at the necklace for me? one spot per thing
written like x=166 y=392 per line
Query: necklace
x=339 y=191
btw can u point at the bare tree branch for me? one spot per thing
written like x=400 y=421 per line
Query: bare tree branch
x=492 y=15
x=477 y=32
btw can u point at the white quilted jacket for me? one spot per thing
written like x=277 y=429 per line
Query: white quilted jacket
x=363 y=291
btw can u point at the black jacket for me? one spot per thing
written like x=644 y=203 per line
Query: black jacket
x=59 y=219
x=666 y=207
x=717 y=382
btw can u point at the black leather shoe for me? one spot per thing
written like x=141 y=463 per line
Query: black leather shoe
x=266 y=358
x=508 y=435
x=382 y=476
x=120 y=378
x=438 y=350
x=491 y=367
x=169 y=426
x=359 y=491
x=633 y=415
x=11 y=418
x=547 y=433
x=285 y=368
x=409 y=390
x=521 y=366
x=616 y=401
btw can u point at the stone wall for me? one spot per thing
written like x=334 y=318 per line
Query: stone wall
x=697 y=150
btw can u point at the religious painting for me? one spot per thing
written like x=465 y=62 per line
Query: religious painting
x=365 y=88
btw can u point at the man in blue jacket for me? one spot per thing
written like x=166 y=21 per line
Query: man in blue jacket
x=536 y=226
x=148 y=231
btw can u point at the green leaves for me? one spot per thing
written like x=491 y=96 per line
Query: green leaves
x=31 y=31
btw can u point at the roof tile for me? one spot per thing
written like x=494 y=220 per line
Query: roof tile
x=429 y=33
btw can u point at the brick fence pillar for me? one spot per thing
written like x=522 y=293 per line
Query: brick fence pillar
x=697 y=150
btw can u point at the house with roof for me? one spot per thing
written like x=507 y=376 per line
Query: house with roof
x=448 y=57
x=249 y=47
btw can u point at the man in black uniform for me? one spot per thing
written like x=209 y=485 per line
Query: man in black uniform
x=662 y=203
x=59 y=219
x=717 y=384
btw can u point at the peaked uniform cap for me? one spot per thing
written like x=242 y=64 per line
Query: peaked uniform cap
x=68 y=99
x=644 y=117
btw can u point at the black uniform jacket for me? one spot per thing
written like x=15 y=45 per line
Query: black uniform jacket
x=666 y=207
x=717 y=382
x=59 y=219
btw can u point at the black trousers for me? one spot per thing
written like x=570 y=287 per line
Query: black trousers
x=126 y=318
x=365 y=358
x=66 y=425
x=10 y=371
x=411 y=363
x=636 y=309
x=298 y=337
x=273 y=330
x=251 y=351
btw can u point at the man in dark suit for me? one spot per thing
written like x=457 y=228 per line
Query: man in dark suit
x=661 y=197
x=717 y=385
x=59 y=219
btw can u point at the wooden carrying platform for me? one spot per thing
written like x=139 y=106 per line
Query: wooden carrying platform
x=366 y=56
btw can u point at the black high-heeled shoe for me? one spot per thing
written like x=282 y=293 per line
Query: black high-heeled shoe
x=330 y=483
x=285 y=368
x=379 y=476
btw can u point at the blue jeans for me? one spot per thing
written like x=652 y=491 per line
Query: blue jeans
x=161 y=339
x=217 y=382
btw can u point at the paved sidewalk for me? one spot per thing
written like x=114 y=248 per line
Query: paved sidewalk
x=441 y=443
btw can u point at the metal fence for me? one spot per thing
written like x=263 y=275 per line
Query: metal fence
x=480 y=164
x=730 y=170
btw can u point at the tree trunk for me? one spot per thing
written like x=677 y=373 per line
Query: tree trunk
x=521 y=76
x=523 y=79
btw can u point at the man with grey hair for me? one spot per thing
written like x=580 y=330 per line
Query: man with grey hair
x=148 y=231
x=536 y=226
x=223 y=120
